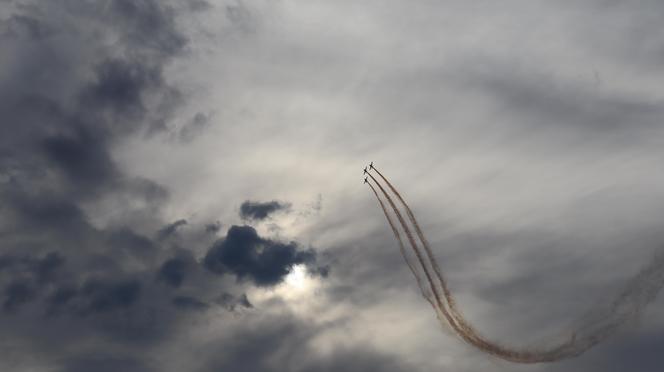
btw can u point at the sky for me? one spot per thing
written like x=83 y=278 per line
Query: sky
x=181 y=181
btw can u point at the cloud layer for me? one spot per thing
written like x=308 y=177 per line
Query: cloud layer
x=525 y=136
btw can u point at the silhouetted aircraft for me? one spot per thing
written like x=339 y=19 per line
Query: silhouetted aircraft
x=371 y=166
x=365 y=180
x=365 y=170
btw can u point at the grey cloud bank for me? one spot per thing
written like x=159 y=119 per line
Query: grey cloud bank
x=525 y=135
x=83 y=77
x=260 y=210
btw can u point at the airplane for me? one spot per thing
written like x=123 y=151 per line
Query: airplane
x=365 y=180
x=365 y=170
x=371 y=166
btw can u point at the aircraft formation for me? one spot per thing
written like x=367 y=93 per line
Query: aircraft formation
x=370 y=166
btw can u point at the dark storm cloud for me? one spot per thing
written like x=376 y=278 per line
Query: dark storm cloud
x=170 y=229
x=81 y=77
x=105 y=363
x=189 y=303
x=45 y=268
x=213 y=228
x=63 y=122
x=81 y=157
x=105 y=296
x=39 y=268
x=174 y=270
x=26 y=276
x=118 y=87
x=261 y=210
x=26 y=26
x=95 y=295
x=132 y=244
x=61 y=296
x=249 y=257
x=231 y=302
x=16 y=293
x=43 y=213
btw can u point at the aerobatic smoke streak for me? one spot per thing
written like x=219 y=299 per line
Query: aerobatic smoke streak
x=452 y=315
x=591 y=330
x=425 y=243
x=440 y=304
x=450 y=302
x=402 y=248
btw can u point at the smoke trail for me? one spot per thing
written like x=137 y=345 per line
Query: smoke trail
x=460 y=321
x=425 y=243
x=591 y=330
x=641 y=290
x=397 y=236
x=440 y=304
x=456 y=321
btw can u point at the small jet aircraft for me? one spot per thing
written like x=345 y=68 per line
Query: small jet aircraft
x=365 y=170
x=365 y=180
x=371 y=166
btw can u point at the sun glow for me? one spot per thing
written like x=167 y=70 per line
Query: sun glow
x=298 y=279
x=298 y=290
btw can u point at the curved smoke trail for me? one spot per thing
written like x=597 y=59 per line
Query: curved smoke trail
x=397 y=236
x=438 y=301
x=458 y=322
x=591 y=330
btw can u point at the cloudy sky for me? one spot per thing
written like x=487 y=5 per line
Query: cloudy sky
x=181 y=187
